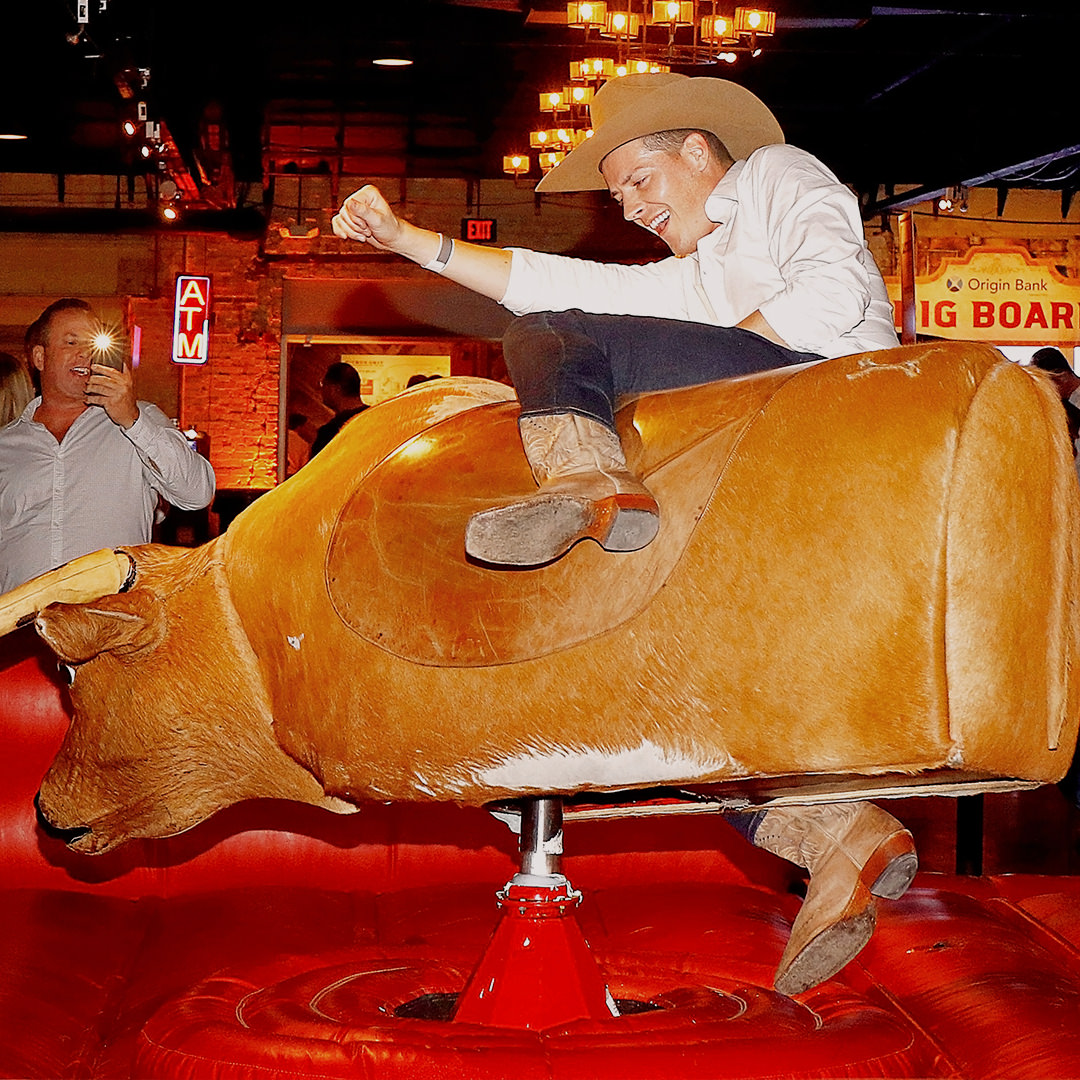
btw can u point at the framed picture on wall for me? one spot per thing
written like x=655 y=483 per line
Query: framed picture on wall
x=382 y=375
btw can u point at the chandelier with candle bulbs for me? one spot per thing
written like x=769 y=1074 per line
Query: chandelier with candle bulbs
x=631 y=37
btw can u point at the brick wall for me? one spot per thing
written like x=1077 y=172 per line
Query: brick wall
x=234 y=397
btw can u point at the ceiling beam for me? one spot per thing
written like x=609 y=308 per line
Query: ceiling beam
x=927 y=193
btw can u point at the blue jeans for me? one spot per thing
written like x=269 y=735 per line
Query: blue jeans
x=571 y=361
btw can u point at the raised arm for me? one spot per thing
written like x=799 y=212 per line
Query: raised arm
x=366 y=216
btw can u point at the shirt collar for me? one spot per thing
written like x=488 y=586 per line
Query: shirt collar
x=720 y=205
x=30 y=410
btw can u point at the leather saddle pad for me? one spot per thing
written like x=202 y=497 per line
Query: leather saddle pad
x=396 y=568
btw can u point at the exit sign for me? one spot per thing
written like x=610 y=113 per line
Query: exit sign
x=478 y=230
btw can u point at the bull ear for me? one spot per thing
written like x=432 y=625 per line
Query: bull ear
x=123 y=624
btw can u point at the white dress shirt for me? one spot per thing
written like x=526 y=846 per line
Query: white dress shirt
x=97 y=488
x=789 y=243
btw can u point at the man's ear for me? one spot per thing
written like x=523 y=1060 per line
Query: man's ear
x=37 y=357
x=696 y=150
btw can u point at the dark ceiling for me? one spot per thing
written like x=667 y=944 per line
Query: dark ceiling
x=931 y=95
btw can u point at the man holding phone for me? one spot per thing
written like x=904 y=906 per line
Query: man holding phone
x=84 y=465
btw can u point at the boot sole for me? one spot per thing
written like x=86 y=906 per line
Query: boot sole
x=542 y=528
x=821 y=958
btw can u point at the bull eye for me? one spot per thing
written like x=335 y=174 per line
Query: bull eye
x=67 y=673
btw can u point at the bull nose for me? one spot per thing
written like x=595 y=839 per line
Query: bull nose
x=68 y=836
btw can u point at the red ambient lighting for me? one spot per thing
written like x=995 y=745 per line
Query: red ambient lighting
x=191 y=320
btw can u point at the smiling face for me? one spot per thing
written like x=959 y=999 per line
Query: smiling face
x=65 y=356
x=665 y=191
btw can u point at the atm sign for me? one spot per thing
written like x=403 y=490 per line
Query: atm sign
x=191 y=320
x=478 y=230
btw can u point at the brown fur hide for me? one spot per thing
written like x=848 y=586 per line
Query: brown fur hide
x=865 y=566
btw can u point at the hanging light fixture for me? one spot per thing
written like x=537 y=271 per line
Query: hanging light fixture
x=630 y=37
x=672 y=31
x=550 y=158
x=717 y=30
x=553 y=101
x=595 y=69
x=621 y=24
x=585 y=14
x=673 y=12
x=516 y=164
x=758 y=21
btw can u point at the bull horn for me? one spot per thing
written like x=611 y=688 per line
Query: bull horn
x=89 y=577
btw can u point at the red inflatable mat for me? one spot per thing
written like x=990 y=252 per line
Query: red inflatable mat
x=963 y=980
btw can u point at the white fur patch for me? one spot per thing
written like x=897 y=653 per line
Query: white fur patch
x=295 y=642
x=471 y=396
x=867 y=364
x=563 y=769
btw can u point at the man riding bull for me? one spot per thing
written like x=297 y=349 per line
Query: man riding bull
x=770 y=268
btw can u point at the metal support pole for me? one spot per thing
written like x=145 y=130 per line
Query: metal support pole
x=537 y=971
x=908 y=314
x=541 y=839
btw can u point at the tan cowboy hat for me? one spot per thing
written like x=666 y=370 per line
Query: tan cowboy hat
x=629 y=107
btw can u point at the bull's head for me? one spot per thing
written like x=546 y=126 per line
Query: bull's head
x=172 y=721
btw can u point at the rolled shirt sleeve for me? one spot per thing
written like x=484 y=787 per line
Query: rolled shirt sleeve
x=664 y=289
x=180 y=475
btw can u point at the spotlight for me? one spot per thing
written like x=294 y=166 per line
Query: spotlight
x=169 y=201
x=954 y=198
x=129 y=128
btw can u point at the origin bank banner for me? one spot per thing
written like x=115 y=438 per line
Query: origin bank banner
x=998 y=295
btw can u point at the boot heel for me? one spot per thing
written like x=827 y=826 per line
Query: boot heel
x=892 y=867
x=625 y=522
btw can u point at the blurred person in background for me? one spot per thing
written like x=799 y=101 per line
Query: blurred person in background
x=16 y=389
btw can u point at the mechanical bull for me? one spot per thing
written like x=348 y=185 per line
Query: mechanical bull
x=866 y=566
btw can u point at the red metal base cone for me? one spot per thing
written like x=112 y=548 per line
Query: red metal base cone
x=537 y=971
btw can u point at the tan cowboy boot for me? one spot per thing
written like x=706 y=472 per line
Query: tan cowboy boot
x=854 y=852
x=585 y=491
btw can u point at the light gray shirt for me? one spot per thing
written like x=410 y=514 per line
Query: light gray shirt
x=788 y=242
x=98 y=488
